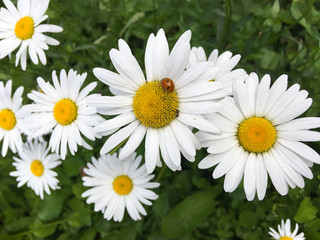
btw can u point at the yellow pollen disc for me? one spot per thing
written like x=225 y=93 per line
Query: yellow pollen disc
x=286 y=238
x=122 y=185
x=256 y=134
x=24 y=28
x=37 y=168
x=65 y=111
x=154 y=106
x=7 y=119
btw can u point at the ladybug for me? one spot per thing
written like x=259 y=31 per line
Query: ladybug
x=167 y=84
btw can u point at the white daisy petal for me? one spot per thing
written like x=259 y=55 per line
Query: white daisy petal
x=275 y=173
x=300 y=123
x=157 y=53
x=118 y=137
x=261 y=177
x=234 y=175
x=198 y=122
x=152 y=149
x=133 y=142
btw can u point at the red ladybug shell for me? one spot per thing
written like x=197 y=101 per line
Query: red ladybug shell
x=167 y=84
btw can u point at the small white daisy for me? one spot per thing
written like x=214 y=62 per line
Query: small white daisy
x=285 y=232
x=21 y=27
x=260 y=136
x=160 y=106
x=118 y=185
x=63 y=109
x=34 y=168
x=11 y=118
x=222 y=64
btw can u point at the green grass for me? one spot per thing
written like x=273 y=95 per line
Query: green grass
x=273 y=37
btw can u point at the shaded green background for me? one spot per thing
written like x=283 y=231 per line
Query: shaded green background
x=273 y=37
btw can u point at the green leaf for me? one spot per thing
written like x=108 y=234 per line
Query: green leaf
x=50 y=207
x=156 y=236
x=248 y=218
x=43 y=230
x=127 y=234
x=78 y=189
x=312 y=230
x=161 y=205
x=88 y=234
x=189 y=213
x=72 y=166
x=306 y=211
x=275 y=8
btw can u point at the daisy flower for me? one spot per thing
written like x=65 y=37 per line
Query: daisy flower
x=118 y=185
x=34 y=167
x=224 y=64
x=63 y=109
x=285 y=232
x=261 y=137
x=11 y=118
x=21 y=27
x=160 y=106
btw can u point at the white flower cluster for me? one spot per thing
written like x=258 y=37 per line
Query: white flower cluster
x=181 y=102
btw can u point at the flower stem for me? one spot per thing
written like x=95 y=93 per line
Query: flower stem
x=161 y=172
x=42 y=226
x=117 y=147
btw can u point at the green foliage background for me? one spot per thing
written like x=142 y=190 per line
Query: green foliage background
x=273 y=36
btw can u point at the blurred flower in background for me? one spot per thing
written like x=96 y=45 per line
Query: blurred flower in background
x=34 y=168
x=284 y=232
x=117 y=185
x=22 y=27
x=11 y=118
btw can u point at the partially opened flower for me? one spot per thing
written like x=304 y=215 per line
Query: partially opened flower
x=284 y=232
x=63 y=109
x=261 y=137
x=22 y=27
x=34 y=168
x=117 y=185
x=223 y=65
x=159 y=107
x=11 y=118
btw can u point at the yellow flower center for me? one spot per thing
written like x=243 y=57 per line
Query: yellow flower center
x=24 y=28
x=256 y=134
x=37 y=168
x=122 y=185
x=154 y=106
x=65 y=111
x=7 y=119
x=286 y=238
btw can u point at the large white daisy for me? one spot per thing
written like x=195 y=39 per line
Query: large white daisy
x=11 y=118
x=21 y=27
x=159 y=107
x=260 y=136
x=63 y=109
x=34 y=167
x=118 y=185
x=285 y=232
x=224 y=63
